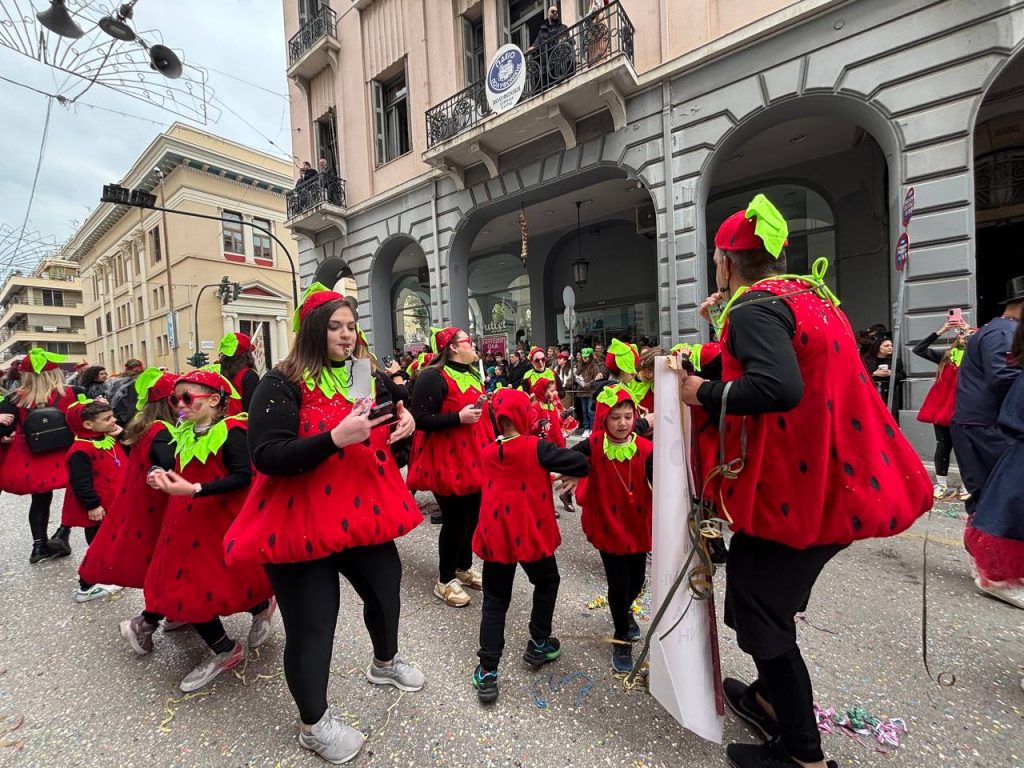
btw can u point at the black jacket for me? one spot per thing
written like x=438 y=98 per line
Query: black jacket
x=548 y=33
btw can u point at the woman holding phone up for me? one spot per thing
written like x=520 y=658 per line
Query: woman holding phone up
x=327 y=498
x=452 y=428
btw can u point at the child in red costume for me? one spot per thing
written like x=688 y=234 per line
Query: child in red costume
x=546 y=412
x=188 y=579
x=238 y=366
x=618 y=508
x=38 y=474
x=96 y=465
x=452 y=429
x=823 y=464
x=517 y=526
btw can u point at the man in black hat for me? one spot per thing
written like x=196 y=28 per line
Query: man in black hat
x=983 y=382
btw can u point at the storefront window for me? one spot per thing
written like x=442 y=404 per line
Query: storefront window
x=499 y=300
x=602 y=324
x=412 y=316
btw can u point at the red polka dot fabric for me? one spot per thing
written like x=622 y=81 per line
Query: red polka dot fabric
x=617 y=501
x=108 y=470
x=23 y=472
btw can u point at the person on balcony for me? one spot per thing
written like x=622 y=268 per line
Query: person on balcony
x=306 y=173
x=329 y=182
x=552 y=33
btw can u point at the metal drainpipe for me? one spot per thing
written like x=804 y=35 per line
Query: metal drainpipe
x=670 y=218
x=436 y=255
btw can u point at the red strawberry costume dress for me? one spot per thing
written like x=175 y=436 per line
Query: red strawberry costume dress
x=447 y=461
x=188 y=579
x=354 y=497
x=99 y=461
x=23 y=472
x=122 y=551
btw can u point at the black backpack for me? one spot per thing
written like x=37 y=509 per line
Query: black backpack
x=46 y=430
x=124 y=400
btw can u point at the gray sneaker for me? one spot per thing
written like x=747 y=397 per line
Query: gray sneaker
x=138 y=634
x=335 y=741
x=400 y=674
x=211 y=667
x=262 y=626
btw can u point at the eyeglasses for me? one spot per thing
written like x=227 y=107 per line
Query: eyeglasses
x=462 y=341
x=188 y=398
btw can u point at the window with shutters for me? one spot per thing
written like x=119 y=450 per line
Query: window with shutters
x=261 y=243
x=232 y=233
x=472 y=49
x=154 y=244
x=391 y=117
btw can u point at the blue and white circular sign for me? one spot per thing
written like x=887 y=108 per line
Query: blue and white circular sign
x=506 y=78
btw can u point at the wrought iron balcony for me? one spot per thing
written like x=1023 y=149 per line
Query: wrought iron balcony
x=598 y=38
x=324 y=188
x=318 y=26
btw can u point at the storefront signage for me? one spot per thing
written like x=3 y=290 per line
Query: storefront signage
x=415 y=347
x=494 y=345
x=902 y=251
x=506 y=78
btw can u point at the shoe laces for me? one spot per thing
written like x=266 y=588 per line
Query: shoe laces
x=482 y=674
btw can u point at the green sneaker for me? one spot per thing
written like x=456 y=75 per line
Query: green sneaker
x=486 y=684
x=539 y=653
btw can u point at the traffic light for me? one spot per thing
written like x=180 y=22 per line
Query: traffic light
x=236 y=291
x=198 y=360
x=228 y=291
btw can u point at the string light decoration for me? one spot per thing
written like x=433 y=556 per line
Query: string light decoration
x=97 y=46
x=523 y=234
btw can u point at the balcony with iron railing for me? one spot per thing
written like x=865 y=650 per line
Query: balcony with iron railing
x=316 y=204
x=589 y=64
x=37 y=333
x=315 y=46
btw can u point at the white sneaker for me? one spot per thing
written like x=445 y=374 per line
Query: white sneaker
x=452 y=593
x=213 y=666
x=586 y=434
x=262 y=626
x=95 y=592
x=939 y=491
x=1011 y=595
x=335 y=741
x=401 y=674
x=964 y=494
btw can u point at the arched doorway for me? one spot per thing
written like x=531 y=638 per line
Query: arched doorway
x=999 y=188
x=499 y=301
x=400 y=296
x=830 y=177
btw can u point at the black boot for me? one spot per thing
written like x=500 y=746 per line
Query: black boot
x=40 y=551
x=60 y=542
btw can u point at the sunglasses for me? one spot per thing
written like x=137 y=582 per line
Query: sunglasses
x=188 y=398
x=462 y=341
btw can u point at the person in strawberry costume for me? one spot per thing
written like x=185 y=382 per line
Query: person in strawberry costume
x=238 y=366
x=546 y=411
x=517 y=527
x=452 y=429
x=618 y=508
x=538 y=371
x=328 y=499
x=96 y=466
x=821 y=464
x=188 y=579
x=23 y=472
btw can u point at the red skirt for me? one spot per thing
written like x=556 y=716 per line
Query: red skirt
x=997 y=559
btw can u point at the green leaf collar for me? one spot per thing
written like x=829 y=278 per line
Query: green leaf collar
x=465 y=380
x=188 y=445
x=619 y=451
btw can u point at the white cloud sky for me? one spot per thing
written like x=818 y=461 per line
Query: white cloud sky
x=87 y=148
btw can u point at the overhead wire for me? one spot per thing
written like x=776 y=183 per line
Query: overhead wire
x=35 y=178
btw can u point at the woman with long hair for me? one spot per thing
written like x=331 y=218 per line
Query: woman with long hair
x=94 y=381
x=188 y=579
x=995 y=533
x=937 y=408
x=586 y=373
x=886 y=372
x=23 y=472
x=328 y=499
x=452 y=428
x=238 y=366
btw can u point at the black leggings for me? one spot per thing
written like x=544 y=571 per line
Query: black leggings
x=212 y=631
x=943 y=448
x=455 y=541
x=309 y=596
x=786 y=685
x=39 y=514
x=498 y=579
x=90 y=534
x=625 y=583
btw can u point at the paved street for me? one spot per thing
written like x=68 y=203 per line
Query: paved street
x=83 y=699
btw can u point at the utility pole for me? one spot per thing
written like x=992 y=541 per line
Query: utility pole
x=172 y=322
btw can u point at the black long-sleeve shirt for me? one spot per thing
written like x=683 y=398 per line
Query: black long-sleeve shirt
x=427 y=397
x=561 y=461
x=235 y=455
x=583 y=447
x=924 y=349
x=161 y=451
x=80 y=481
x=761 y=338
x=249 y=383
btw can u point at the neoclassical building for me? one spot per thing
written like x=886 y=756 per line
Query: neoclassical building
x=638 y=132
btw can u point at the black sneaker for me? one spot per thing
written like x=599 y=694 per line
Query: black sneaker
x=435 y=519
x=486 y=684
x=739 y=695
x=40 y=551
x=634 y=634
x=622 y=658
x=539 y=653
x=60 y=543
x=566 y=499
x=769 y=755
